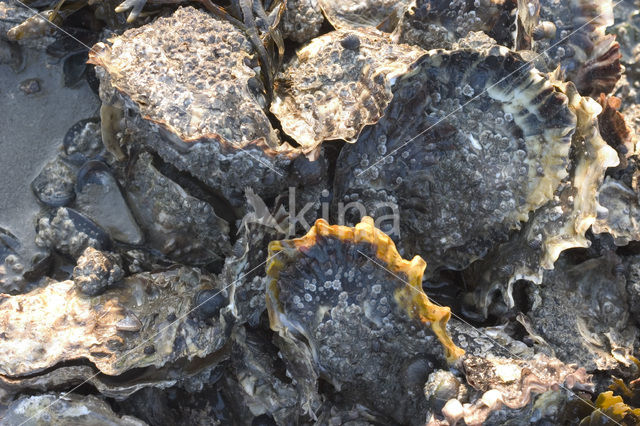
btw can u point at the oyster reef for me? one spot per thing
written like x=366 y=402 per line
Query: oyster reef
x=320 y=212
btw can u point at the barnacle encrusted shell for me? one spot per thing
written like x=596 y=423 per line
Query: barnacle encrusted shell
x=562 y=222
x=301 y=20
x=182 y=227
x=147 y=321
x=571 y=34
x=437 y=24
x=349 y=309
x=582 y=312
x=338 y=83
x=363 y=13
x=192 y=91
x=472 y=141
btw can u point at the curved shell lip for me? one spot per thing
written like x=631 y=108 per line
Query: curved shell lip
x=411 y=296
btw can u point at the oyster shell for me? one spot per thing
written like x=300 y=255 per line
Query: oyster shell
x=339 y=83
x=582 y=312
x=144 y=322
x=178 y=225
x=349 y=309
x=472 y=141
x=509 y=383
x=351 y=14
x=562 y=222
x=438 y=24
x=196 y=99
x=65 y=408
x=571 y=34
x=301 y=20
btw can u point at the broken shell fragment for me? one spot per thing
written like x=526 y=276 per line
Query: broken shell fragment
x=349 y=309
x=339 y=83
x=471 y=143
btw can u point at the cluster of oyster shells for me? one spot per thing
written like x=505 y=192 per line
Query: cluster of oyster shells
x=228 y=241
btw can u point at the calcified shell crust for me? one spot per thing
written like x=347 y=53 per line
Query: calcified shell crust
x=339 y=83
x=337 y=294
x=65 y=408
x=470 y=144
x=196 y=99
x=351 y=14
x=114 y=331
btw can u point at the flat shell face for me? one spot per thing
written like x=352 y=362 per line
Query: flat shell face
x=435 y=24
x=622 y=217
x=337 y=84
x=346 y=297
x=195 y=83
x=361 y=13
x=470 y=144
x=144 y=322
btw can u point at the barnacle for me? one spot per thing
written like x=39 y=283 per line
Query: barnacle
x=472 y=141
x=337 y=84
x=434 y=24
x=151 y=320
x=197 y=100
x=349 y=309
x=572 y=35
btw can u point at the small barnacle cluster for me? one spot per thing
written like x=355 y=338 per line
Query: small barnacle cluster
x=328 y=212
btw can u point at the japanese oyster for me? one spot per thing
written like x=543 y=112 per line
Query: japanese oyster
x=571 y=34
x=301 y=20
x=471 y=143
x=438 y=24
x=351 y=14
x=180 y=226
x=67 y=408
x=147 y=321
x=194 y=97
x=349 y=309
x=582 y=312
x=562 y=222
x=339 y=83
x=507 y=383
